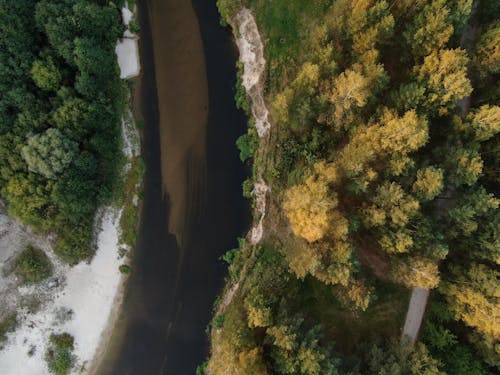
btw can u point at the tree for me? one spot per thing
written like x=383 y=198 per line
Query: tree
x=429 y=183
x=485 y=122
x=396 y=359
x=430 y=29
x=487 y=53
x=409 y=96
x=349 y=91
x=473 y=297
x=464 y=165
x=307 y=207
x=414 y=272
x=49 y=153
x=46 y=74
x=444 y=73
x=396 y=204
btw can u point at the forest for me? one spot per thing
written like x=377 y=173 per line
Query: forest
x=61 y=102
x=383 y=164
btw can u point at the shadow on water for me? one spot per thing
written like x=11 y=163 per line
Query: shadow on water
x=169 y=296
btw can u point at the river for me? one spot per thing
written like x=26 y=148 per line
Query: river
x=193 y=210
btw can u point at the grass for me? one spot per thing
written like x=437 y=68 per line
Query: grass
x=33 y=265
x=131 y=188
x=284 y=27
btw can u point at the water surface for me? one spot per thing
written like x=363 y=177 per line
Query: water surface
x=193 y=210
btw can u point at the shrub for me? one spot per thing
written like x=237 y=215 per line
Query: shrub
x=33 y=265
x=218 y=321
x=8 y=324
x=125 y=269
x=247 y=144
x=59 y=355
x=134 y=26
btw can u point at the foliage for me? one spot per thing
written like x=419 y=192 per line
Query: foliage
x=60 y=108
x=247 y=144
x=125 y=269
x=33 y=265
x=49 y=154
x=384 y=167
x=59 y=355
x=7 y=324
x=402 y=359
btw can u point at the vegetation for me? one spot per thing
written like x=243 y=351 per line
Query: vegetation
x=130 y=193
x=60 y=107
x=33 y=265
x=59 y=355
x=384 y=176
x=125 y=269
x=7 y=324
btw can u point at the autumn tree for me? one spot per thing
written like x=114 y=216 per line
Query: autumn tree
x=444 y=74
x=349 y=91
x=415 y=272
x=485 y=122
x=307 y=207
x=429 y=183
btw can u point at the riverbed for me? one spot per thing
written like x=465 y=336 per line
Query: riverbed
x=193 y=210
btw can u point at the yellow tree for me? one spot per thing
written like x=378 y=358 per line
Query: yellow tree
x=415 y=272
x=474 y=298
x=429 y=183
x=444 y=73
x=401 y=135
x=485 y=122
x=307 y=208
x=349 y=91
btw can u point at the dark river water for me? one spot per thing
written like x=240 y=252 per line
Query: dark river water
x=193 y=210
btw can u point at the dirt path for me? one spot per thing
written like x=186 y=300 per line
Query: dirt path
x=415 y=313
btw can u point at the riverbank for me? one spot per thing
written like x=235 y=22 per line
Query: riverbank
x=82 y=300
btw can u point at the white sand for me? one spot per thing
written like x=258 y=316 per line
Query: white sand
x=89 y=292
x=127 y=49
x=128 y=58
x=252 y=56
x=127 y=15
x=260 y=191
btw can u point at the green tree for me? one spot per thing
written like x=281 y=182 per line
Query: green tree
x=46 y=74
x=487 y=53
x=430 y=29
x=396 y=359
x=49 y=153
